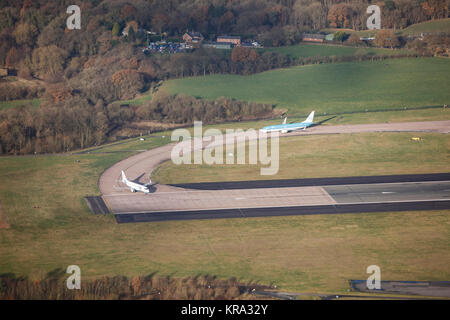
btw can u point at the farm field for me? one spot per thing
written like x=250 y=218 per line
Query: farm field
x=331 y=88
x=50 y=222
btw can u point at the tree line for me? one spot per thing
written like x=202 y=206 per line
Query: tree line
x=73 y=123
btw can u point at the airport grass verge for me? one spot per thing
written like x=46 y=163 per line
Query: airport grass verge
x=337 y=155
x=51 y=227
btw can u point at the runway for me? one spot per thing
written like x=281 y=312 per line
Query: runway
x=282 y=211
x=284 y=183
x=274 y=197
x=243 y=203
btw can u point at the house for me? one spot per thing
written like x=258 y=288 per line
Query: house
x=4 y=72
x=329 y=37
x=193 y=37
x=236 y=40
x=313 y=37
x=367 y=38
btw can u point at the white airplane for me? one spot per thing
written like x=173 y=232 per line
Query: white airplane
x=135 y=187
x=285 y=128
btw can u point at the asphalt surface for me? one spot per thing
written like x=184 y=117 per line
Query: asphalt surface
x=97 y=205
x=284 y=183
x=422 y=288
x=282 y=211
x=436 y=190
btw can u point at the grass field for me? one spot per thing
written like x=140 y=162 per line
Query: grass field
x=17 y=103
x=434 y=26
x=332 y=88
x=323 y=50
x=51 y=228
x=330 y=156
x=140 y=99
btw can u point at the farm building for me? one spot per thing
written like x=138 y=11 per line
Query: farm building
x=236 y=40
x=312 y=37
x=217 y=45
x=193 y=37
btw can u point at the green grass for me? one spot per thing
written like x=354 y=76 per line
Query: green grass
x=147 y=96
x=51 y=227
x=434 y=26
x=323 y=50
x=16 y=103
x=330 y=156
x=332 y=88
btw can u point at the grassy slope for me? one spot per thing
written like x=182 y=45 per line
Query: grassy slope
x=332 y=87
x=442 y=25
x=51 y=227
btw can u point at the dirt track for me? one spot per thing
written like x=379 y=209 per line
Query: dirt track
x=141 y=165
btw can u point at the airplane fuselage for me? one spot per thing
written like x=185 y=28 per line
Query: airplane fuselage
x=135 y=187
x=285 y=128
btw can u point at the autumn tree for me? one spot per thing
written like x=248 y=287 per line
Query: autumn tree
x=386 y=38
x=25 y=34
x=354 y=39
x=340 y=15
x=127 y=83
x=244 y=54
x=49 y=60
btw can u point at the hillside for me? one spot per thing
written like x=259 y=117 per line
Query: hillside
x=434 y=26
x=332 y=87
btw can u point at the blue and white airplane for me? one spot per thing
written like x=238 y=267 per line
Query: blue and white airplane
x=285 y=127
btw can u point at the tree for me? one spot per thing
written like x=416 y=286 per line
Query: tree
x=340 y=15
x=131 y=35
x=243 y=54
x=49 y=60
x=340 y=36
x=354 y=39
x=115 y=29
x=25 y=34
x=386 y=38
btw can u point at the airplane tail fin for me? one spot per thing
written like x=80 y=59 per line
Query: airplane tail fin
x=310 y=117
x=124 y=178
x=284 y=121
